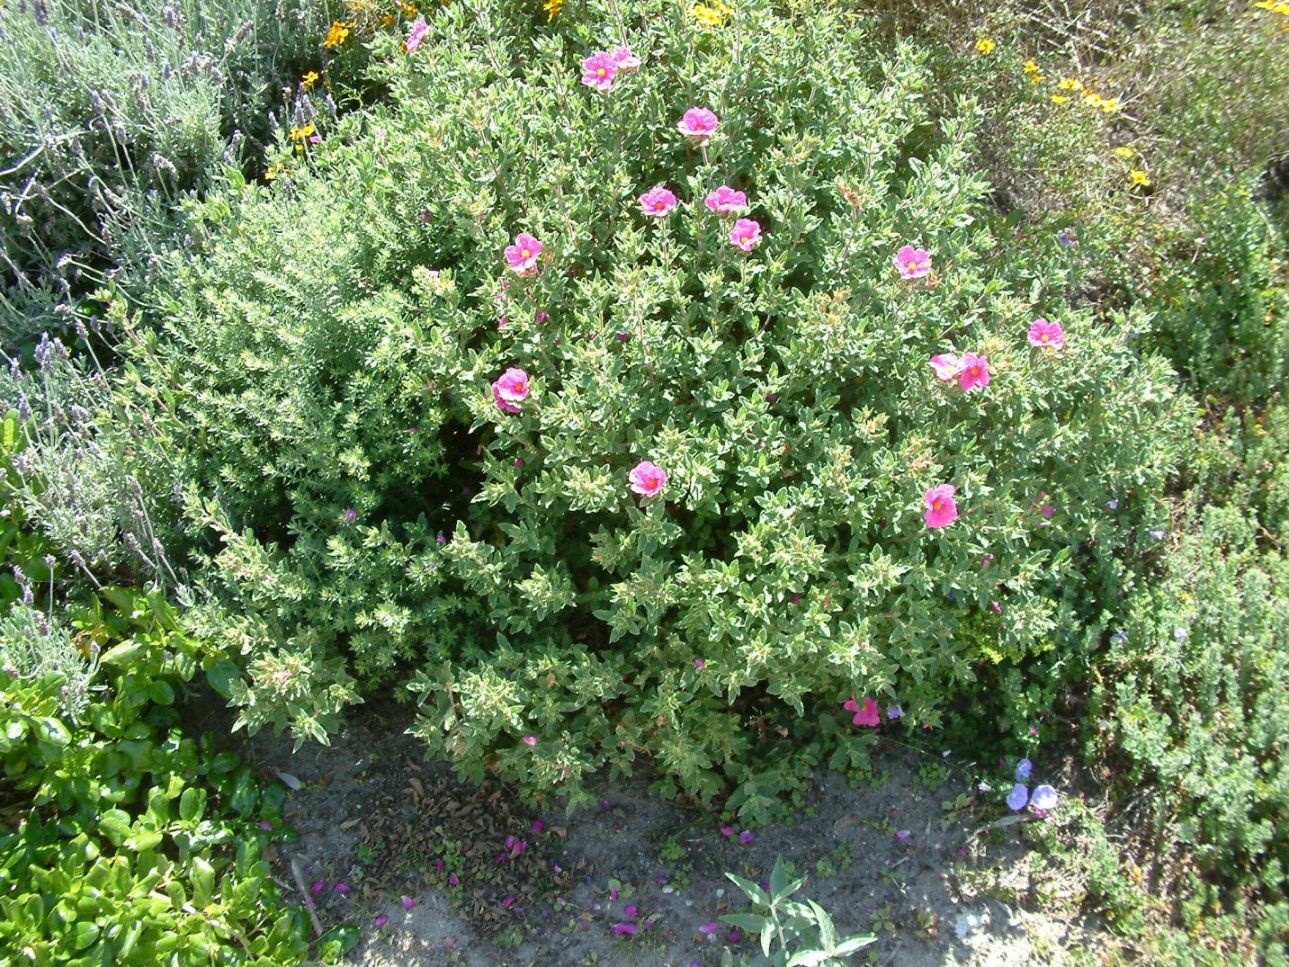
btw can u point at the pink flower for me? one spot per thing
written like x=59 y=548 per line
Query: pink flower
x=522 y=256
x=625 y=928
x=379 y=921
x=408 y=903
x=863 y=716
x=941 y=510
x=975 y=371
x=530 y=740
x=1044 y=334
x=417 y=34
x=746 y=234
x=913 y=263
x=657 y=202
x=947 y=367
x=625 y=60
x=647 y=478
x=726 y=201
x=699 y=123
x=599 y=70
x=699 y=664
x=510 y=389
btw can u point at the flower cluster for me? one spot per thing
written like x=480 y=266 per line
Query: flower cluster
x=600 y=71
x=1044 y=798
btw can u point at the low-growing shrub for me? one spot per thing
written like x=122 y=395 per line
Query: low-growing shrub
x=484 y=392
x=1194 y=700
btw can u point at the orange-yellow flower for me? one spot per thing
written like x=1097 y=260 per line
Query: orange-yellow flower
x=337 y=33
x=984 y=46
x=308 y=80
x=1139 y=177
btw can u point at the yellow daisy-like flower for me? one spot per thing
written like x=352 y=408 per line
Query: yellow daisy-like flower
x=1030 y=67
x=1266 y=5
x=714 y=14
x=1069 y=84
x=1109 y=105
x=1059 y=98
x=1282 y=9
x=337 y=33
x=1124 y=151
x=308 y=80
x=552 y=8
x=411 y=11
x=272 y=172
x=387 y=20
x=299 y=134
x=1139 y=177
x=1036 y=78
x=984 y=46
x=1093 y=99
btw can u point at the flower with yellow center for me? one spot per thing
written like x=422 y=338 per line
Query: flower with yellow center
x=300 y=133
x=1124 y=151
x=1110 y=105
x=308 y=80
x=337 y=33
x=1069 y=84
x=1093 y=99
x=713 y=14
x=1059 y=98
x=984 y=46
x=411 y=11
x=1139 y=177
x=1036 y=78
x=1030 y=67
x=552 y=8
x=272 y=172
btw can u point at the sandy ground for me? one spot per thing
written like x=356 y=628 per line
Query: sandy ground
x=434 y=871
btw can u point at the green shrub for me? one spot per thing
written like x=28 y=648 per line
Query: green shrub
x=325 y=361
x=1194 y=700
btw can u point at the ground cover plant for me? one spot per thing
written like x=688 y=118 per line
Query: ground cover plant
x=751 y=408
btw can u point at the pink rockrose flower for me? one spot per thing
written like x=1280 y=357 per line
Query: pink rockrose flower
x=522 y=256
x=416 y=35
x=657 y=202
x=510 y=389
x=867 y=715
x=975 y=371
x=1046 y=335
x=625 y=60
x=941 y=511
x=599 y=70
x=698 y=123
x=913 y=263
x=746 y=234
x=530 y=740
x=647 y=478
x=947 y=366
x=726 y=201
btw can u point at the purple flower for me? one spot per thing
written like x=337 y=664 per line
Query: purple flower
x=1024 y=769
x=699 y=664
x=902 y=835
x=265 y=824
x=894 y=712
x=318 y=887
x=709 y=928
x=508 y=902
x=408 y=903
x=1065 y=237
x=625 y=928
x=379 y=921
x=629 y=910
x=350 y=515
x=441 y=539
x=745 y=837
x=727 y=831
x=454 y=879
x=1044 y=799
x=538 y=825
x=344 y=889
x=1112 y=504
x=1017 y=798
x=734 y=936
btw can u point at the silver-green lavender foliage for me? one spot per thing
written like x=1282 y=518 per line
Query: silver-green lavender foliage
x=110 y=112
x=36 y=646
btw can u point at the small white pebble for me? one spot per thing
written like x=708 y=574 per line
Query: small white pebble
x=668 y=889
x=720 y=892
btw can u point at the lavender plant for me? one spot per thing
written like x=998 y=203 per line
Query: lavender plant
x=637 y=389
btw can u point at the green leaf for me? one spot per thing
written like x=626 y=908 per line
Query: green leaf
x=221 y=675
x=754 y=892
x=192 y=804
x=123 y=654
x=747 y=922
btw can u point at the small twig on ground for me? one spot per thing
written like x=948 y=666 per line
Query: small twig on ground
x=298 y=874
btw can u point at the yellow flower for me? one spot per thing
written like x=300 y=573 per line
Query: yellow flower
x=1109 y=105
x=1069 y=84
x=1282 y=8
x=1092 y=98
x=1266 y=5
x=1030 y=67
x=411 y=11
x=713 y=14
x=1139 y=177
x=984 y=46
x=387 y=20
x=1124 y=151
x=272 y=172
x=1059 y=98
x=308 y=80
x=553 y=8
x=299 y=134
x=1036 y=78
x=337 y=33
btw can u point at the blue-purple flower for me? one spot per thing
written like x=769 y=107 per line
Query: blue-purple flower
x=1017 y=798
x=1024 y=769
